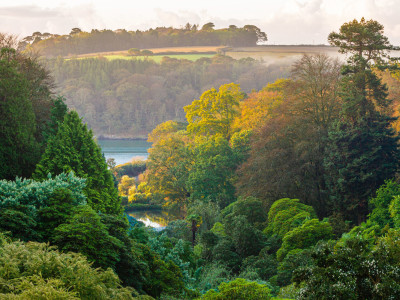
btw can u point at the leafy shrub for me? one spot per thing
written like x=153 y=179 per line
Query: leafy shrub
x=239 y=289
x=38 y=271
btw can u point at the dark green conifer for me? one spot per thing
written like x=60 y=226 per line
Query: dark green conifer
x=73 y=149
x=362 y=148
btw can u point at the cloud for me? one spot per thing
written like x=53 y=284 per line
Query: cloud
x=28 y=12
x=24 y=20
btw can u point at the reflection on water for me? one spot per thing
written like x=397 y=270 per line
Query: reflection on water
x=153 y=218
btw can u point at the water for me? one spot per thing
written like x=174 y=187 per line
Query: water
x=153 y=218
x=124 y=151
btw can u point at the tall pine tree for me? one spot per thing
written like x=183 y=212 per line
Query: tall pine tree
x=73 y=149
x=362 y=148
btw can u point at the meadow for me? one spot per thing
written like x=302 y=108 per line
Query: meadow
x=268 y=54
x=158 y=58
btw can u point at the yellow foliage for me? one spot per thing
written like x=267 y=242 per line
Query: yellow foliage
x=215 y=111
x=256 y=109
x=162 y=130
x=125 y=185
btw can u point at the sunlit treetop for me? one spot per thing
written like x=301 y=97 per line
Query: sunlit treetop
x=215 y=111
x=363 y=40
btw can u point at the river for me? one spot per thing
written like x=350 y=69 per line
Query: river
x=124 y=151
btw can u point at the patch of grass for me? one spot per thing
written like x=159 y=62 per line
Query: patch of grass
x=158 y=58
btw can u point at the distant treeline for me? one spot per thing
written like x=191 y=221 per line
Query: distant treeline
x=128 y=98
x=80 y=42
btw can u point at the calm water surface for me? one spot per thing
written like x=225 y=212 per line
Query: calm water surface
x=153 y=218
x=124 y=151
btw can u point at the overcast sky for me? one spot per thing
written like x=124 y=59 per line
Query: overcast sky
x=284 y=21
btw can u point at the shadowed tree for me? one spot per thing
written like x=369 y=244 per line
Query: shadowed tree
x=362 y=146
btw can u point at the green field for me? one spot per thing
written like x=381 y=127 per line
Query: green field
x=156 y=58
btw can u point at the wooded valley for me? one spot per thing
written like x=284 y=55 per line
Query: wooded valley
x=284 y=178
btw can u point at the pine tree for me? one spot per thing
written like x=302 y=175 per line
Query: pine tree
x=73 y=149
x=362 y=148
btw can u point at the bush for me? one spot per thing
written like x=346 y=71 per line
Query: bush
x=38 y=271
x=304 y=237
x=239 y=289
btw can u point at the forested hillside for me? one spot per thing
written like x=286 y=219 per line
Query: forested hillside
x=79 y=42
x=128 y=98
x=289 y=192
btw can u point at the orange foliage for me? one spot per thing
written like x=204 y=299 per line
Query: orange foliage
x=258 y=107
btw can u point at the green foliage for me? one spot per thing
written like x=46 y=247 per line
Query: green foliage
x=57 y=210
x=161 y=277
x=247 y=240
x=168 y=166
x=131 y=169
x=286 y=214
x=85 y=233
x=212 y=275
x=73 y=149
x=180 y=253
x=58 y=112
x=27 y=112
x=19 y=224
x=178 y=229
x=210 y=178
x=264 y=265
x=240 y=144
x=353 y=269
x=215 y=111
x=23 y=201
x=380 y=204
x=19 y=149
x=130 y=270
x=224 y=252
x=218 y=229
x=252 y=209
x=363 y=147
x=294 y=260
x=362 y=156
x=394 y=210
x=305 y=236
x=37 y=271
x=239 y=289
x=209 y=212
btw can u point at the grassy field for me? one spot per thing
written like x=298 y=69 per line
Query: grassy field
x=168 y=50
x=280 y=54
x=267 y=54
x=158 y=58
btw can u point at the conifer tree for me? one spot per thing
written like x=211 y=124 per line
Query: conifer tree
x=73 y=149
x=362 y=146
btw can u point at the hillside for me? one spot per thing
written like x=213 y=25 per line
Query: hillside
x=128 y=98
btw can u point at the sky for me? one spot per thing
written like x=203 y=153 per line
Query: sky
x=284 y=21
